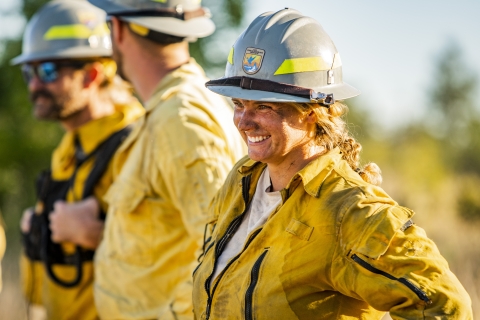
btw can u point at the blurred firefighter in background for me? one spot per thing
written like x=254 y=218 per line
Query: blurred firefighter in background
x=72 y=80
x=168 y=169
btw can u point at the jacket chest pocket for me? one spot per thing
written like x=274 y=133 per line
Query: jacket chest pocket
x=255 y=274
x=130 y=227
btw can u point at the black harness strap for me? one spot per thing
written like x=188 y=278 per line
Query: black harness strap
x=52 y=253
x=104 y=153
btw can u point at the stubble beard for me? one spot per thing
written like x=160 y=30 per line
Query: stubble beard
x=50 y=109
x=56 y=108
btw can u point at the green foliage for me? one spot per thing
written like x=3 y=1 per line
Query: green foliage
x=454 y=108
x=212 y=52
x=25 y=144
x=452 y=93
x=452 y=90
x=468 y=204
x=32 y=6
x=440 y=154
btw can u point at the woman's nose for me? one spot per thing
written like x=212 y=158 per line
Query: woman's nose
x=244 y=120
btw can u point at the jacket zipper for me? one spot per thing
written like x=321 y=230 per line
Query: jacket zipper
x=200 y=262
x=420 y=294
x=223 y=242
x=253 y=283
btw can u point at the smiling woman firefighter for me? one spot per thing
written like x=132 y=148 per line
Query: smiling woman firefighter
x=299 y=230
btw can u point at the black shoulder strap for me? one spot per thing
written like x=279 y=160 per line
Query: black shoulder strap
x=103 y=155
x=42 y=248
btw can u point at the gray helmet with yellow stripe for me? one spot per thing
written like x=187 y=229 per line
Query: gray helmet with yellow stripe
x=181 y=18
x=65 y=29
x=284 y=57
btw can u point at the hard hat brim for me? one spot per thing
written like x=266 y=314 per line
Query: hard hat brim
x=69 y=53
x=340 y=92
x=194 y=28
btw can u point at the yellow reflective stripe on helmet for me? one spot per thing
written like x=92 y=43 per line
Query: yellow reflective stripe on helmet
x=306 y=65
x=230 y=56
x=162 y=1
x=140 y=30
x=72 y=31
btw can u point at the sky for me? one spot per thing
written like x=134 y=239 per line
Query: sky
x=388 y=48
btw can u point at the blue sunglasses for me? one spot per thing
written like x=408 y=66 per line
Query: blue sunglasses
x=47 y=72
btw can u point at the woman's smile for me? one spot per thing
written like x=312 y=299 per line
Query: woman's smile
x=256 y=139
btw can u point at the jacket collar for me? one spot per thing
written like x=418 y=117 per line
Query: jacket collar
x=313 y=174
x=93 y=133
x=192 y=68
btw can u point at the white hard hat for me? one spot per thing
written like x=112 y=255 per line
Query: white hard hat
x=180 y=18
x=65 y=29
x=284 y=56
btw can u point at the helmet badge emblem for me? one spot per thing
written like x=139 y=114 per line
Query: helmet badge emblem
x=252 y=60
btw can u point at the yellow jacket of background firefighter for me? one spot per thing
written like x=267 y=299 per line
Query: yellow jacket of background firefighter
x=77 y=302
x=336 y=248
x=165 y=175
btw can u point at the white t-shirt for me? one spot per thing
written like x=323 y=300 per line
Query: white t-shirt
x=263 y=204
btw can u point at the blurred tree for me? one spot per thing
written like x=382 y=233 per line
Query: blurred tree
x=456 y=122
x=418 y=158
x=452 y=104
x=212 y=52
x=26 y=144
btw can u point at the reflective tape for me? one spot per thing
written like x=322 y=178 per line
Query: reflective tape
x=140 y=30
x=74 y=31
x=230 y=56
x=307 y=64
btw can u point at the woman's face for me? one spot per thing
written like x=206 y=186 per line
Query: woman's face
x=275 y=133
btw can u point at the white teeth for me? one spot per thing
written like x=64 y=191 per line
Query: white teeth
x=257 y=139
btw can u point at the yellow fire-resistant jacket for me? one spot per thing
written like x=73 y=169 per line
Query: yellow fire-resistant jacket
x=166 y=173
x=77 y=302
x=336 y=248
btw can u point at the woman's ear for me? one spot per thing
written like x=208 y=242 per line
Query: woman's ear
x=311 y=117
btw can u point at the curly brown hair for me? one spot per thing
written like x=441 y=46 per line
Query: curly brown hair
x=332 y=132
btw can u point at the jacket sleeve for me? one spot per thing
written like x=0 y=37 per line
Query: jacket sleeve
x=395 y=267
